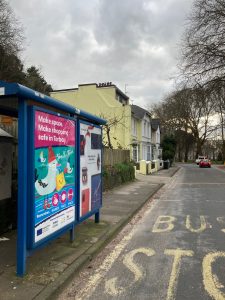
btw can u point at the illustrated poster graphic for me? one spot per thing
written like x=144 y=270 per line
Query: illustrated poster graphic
x=90 y=168
x=54 y=173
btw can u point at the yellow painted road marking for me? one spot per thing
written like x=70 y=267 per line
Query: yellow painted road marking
x=211 y=282
x=200 y=229
x=111 y=284
x=106 y=265
x=167 y=220
x=177 y=253
x=100 y=273
x=221 y=220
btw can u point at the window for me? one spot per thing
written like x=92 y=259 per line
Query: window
x=158 y=138
x=144 y=152
x=144 y=128
x=134 y=127
x=148 y=153
x=160 y=153
x=149 y=130
x=121 y=99
x=153 y=152
x=135 y=153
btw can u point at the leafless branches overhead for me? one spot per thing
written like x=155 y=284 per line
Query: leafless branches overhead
x=204 y=42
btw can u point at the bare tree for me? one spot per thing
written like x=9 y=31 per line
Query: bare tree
x=11 y=39
x=204 y=42
x=11 y=44
x=201 y=110
x=11 y=32
x=218 y=95
x=189 y=110
x=110 y=128
x=107 y=128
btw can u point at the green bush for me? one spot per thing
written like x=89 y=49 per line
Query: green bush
x=216 y=162
x=118 y=174
x=126 y=171
x=169 y=148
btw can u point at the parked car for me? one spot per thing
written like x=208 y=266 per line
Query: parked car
x=200 y=157
x=205 y=163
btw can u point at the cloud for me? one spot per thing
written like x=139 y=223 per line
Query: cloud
x=133 y=42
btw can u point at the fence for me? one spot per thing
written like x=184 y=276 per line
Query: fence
x=115 y=156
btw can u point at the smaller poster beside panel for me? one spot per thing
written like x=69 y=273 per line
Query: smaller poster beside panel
x=54 y=149
x=90 y=168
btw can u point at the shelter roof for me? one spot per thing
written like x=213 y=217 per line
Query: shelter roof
x=14 y=92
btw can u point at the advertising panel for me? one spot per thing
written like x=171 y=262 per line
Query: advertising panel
x=54 y=155
x=90 y=168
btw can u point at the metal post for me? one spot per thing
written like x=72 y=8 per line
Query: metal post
x=97 y=217
x=22 y=190
x=72 y=234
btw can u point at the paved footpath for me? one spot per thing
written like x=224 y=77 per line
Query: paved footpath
x=51 y=268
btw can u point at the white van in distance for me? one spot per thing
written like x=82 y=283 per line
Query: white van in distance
x=200 y=157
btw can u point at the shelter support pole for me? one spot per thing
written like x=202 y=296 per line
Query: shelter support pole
x=72 y=234
x=22 y=190
x=97 y=217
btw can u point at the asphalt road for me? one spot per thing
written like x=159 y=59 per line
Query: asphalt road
x=176 y=251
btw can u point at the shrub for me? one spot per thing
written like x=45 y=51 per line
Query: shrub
x=169 y=148
x=118 y=174
x=126 y=171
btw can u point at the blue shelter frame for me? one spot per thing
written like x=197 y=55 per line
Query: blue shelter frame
x=18 y=101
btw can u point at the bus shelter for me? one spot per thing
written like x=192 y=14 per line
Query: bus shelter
x=59 y=167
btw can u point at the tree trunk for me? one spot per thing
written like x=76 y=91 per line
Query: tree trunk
x=223 y=150
x=222 y=133
x=186 y=153
x=199 y=148
x=179 y=153
x=108 y=138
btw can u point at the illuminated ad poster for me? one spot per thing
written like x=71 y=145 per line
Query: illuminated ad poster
x=90 y=168
x=54 y=173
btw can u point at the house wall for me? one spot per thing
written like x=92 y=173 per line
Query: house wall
x=158 y=136
x=102 y=102
x=146 y=138
x=134 y=139
x=143 y=138
x=157 y=152
x=153 y=136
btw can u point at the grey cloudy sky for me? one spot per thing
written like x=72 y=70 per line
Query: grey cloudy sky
x=128 y=42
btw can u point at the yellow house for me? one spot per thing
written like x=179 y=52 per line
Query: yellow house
x=107 y=101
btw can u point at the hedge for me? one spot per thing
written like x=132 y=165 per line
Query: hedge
x=118 y=174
